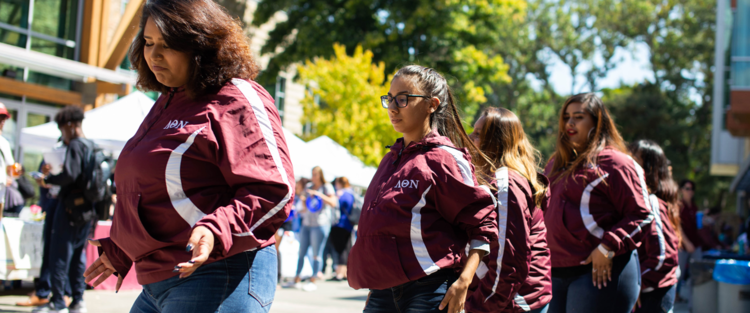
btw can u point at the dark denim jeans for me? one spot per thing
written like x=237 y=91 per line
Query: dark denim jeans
x=243 y=283
x=422 y=295
x=67 y=257
x=578 y=294
x=42 y=285
x=660 y=300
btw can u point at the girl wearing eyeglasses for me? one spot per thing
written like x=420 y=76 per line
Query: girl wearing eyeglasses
x=599 y=204
x=658 y=251
x=423 y=206
x=517 y=276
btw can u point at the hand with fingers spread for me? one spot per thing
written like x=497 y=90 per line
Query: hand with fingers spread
x=101 y=268
x=601 y=265
x=201 y=243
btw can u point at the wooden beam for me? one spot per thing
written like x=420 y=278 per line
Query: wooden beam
x=119 y=89
x=39 y=92
x=126 y=30
x=91 y=31
x=104 y=32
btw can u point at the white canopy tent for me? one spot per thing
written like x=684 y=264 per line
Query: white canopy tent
x=335 y=160
x=110 y=126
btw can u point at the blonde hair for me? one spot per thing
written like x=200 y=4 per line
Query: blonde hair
x=504 y=142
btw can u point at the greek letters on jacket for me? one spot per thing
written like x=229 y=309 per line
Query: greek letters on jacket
x=422 y=208
x=219 y=161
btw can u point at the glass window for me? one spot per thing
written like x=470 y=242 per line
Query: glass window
x=14 y=13
x=280 y=96
x=49 y=80
x=52 y=48
x=33 y=119
x=9 y=129
x=56 y=18
x=12 y=38
x=741 y=45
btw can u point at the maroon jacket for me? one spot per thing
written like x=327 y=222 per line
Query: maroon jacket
x=504 y=288
x=689 y=221
x=219 y=161
x=658 y=251
x=536 y=292
x=422 y=208
x=605 y=204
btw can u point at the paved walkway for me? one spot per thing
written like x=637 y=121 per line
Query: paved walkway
x=333 y=297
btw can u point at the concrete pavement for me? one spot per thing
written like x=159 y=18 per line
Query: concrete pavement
x=331 y=297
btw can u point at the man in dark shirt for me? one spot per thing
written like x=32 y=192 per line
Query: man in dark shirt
x=67 y=257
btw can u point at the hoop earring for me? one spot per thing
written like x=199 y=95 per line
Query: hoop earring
x=589 y=135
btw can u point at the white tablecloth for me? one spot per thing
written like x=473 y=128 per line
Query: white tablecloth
x=21 y=248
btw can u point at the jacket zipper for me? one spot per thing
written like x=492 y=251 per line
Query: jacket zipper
x=380 y=188
x=156 y=119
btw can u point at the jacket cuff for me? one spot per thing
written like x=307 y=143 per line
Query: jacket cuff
x=120 y=261
x=479 y=245
x=220 y=247
x=612 y=242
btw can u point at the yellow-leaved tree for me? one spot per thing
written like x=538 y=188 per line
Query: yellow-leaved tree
x=348 y=110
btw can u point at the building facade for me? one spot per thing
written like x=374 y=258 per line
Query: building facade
x=730 y=154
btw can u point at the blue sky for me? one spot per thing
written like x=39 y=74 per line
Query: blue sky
x=633 y=68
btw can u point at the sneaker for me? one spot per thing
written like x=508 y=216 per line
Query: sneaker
x=48 y=308
x=310 y=287
x=78 y=307
x=298 y=286
x=33 y=300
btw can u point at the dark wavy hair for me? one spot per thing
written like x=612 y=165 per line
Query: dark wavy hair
x=566 y=158
x=218 y=49
x=658 y=179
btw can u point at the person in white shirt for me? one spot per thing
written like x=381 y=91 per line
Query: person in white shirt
x=6 y=157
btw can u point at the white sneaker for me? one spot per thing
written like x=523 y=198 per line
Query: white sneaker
x=48 y=308
x=78 y=307
x=298 y=286
x=310 y=287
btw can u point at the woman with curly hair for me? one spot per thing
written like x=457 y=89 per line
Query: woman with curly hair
x=207 y=180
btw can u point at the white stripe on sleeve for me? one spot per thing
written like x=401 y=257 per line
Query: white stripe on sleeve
x=264 y=124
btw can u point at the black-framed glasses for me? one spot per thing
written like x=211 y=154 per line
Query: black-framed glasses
x=401 y=100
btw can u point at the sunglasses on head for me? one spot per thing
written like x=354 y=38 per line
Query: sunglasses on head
x=686 y=188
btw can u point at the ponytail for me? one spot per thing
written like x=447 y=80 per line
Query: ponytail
x=445 y=119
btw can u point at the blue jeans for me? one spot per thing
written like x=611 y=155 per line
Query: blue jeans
x=242 y=283
x=67 y=257
x=313 y=237
x=543 y=309
x=578 y=294
x=660 y=300
x=422 y=295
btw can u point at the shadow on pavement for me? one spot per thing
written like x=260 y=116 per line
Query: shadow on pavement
x=356 y=298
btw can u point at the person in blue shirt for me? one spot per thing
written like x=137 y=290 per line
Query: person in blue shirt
x=341 y=232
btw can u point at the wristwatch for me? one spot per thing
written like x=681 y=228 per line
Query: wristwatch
x=607 y=253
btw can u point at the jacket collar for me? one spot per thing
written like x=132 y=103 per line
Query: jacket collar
x=433 y=138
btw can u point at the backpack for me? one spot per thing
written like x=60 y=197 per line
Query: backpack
x=356 y=209
x=96 y=173
x=80 y=204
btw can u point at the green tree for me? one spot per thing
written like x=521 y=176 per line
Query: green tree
x=348 y=110
x=450 y=36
